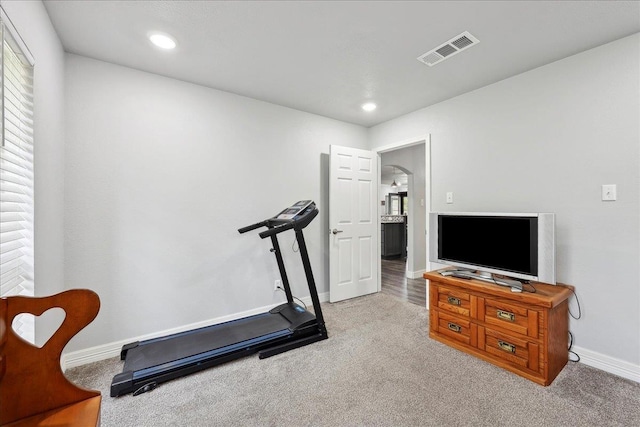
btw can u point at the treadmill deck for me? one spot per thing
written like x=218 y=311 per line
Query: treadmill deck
x=210 y=339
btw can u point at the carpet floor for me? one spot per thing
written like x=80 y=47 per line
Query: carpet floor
x=378 y=368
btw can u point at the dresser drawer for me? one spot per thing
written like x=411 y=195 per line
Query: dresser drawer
x=454 y=301
x=514 y=350
x=455 y=327
x=509 y=317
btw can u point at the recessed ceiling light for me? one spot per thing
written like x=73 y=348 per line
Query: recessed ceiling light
x=369 y=106
x=163 y=41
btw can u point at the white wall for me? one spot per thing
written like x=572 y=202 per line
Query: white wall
x=545 y=141
x=160 y=174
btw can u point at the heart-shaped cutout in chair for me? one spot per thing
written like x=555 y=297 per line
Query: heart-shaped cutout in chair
x=47 y=323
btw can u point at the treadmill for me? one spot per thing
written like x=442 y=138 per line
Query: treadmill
x=285 y=327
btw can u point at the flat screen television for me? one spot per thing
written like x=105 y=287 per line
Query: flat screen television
x=516 y=245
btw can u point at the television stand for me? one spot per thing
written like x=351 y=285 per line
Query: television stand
x=525 y=333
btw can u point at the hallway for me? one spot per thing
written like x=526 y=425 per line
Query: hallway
x=395 y=282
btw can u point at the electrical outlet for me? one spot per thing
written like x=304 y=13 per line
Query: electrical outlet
x=449 y=197
x=277 y=284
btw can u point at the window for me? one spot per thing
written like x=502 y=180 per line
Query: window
x=16 y=169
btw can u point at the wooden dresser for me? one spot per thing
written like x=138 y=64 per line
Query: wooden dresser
x=525 y=333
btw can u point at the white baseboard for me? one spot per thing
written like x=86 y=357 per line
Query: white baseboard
x=107 y=351
x=415 y=274
x=608 y=364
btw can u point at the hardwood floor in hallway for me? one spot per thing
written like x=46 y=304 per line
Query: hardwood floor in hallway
x=396 y=283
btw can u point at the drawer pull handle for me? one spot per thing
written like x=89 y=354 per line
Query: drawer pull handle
x=505 y=315
x=454 y=327
x=506 y=346
x=453 y=300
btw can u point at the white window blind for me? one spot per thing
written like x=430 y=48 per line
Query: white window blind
x=16 y=166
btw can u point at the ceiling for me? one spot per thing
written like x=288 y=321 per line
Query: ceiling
x=388 y=174
x=329 y=57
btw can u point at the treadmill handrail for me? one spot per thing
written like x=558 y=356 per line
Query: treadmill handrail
x=277 y=229
x=253 y=227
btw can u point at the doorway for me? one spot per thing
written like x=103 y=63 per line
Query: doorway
x=404 y=201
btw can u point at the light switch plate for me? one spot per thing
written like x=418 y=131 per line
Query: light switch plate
x=609 y=192
x=449 y=197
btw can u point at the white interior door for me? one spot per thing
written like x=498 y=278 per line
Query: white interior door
x=353 y=241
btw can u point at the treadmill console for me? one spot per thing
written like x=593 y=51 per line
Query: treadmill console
x=294 y=210
x=296 y=216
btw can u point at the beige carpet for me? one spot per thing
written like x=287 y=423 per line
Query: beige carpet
x=378 y=368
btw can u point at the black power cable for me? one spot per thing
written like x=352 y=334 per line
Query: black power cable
x=576 y=357
x=571 y=352
x=577 y=302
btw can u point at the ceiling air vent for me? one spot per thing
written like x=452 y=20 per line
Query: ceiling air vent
x=448 y=49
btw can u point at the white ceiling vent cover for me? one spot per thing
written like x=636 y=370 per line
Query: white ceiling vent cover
x=448 y=49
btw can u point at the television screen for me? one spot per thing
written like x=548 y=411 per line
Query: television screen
x=497 y=242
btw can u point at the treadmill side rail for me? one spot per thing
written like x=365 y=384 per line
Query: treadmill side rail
x=126 y=348
x=122 y=383
x=272 y=351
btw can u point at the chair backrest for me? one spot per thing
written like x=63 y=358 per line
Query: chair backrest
x=31 y=379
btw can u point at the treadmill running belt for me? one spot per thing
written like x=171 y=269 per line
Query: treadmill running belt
x=183 y=345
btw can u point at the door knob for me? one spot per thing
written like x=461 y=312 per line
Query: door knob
x=336 y=231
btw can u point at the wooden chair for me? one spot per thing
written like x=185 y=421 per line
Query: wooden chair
x=33 y=388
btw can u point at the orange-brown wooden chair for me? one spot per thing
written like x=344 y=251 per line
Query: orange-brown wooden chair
x=33 y=388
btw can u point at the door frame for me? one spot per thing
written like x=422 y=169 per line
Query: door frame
x=422 y=139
